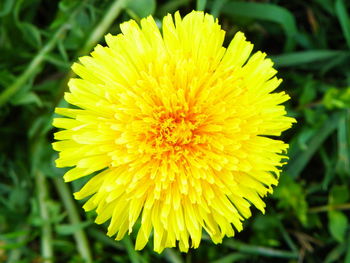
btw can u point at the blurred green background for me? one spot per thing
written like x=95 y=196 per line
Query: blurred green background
x=307 y=217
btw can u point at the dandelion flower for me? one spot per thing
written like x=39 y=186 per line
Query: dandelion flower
x=175 y=129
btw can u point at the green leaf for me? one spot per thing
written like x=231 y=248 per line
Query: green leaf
x=301 y=158
x=343 y=164
x=335 y=254
x=309 y=91
x=57 y=60
x=31 y=34
x=344 y=20
x=267 y=12
x=141 y=8
x=12 y=246
x=134 y=256
x=338 y=195
x=14 y=234
x=6 y=78
x=303 y=57
x=63 y=51
x=172 y=255
x=69 y=229
x=347 y=256
x=201 y=5
x=334 y=62
x=216 y=7
x=329 y=163
x=291 y=197
x=337 y=225
x=258 y=250
x=40 y=125
x=27 y=98
x=266 y=230
x=336 y=98
x=327 y=5
x=5 y=7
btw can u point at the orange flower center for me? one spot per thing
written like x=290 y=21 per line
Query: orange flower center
x=174 y=132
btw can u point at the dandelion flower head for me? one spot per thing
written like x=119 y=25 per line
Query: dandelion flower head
x=176 y=129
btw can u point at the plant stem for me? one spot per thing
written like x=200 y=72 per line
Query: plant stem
x=36 y=61
x=46 y=234
x=133 y=255
x=112 y=13
x=32 y=67
x=74 y=218
x=287 y=237
x=326 y=208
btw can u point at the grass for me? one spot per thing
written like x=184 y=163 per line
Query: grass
x=307 y=217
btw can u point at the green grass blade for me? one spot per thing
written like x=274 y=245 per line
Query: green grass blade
x=6 y=7
x=96 y=35
x=133 y=255
x=287 y=237
x=216 y=7
x=32 y=68
x=303 y=57
x=301 y=158
x=259 y=250
x=267 y=12
x=347 y=256
x=15 y=254
x=107 y=241
x=344 y=19
x=201 y=5
x=343 y=165
x=138 y=9
x=46 y=235
x=74 y=218
x=172 y=255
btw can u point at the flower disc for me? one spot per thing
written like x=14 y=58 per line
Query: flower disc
x=173 y=126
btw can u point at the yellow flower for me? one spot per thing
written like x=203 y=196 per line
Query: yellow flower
x=173 y=126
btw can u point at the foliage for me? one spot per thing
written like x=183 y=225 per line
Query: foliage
x=307 y=218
